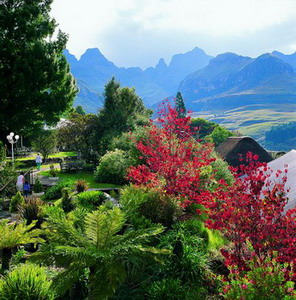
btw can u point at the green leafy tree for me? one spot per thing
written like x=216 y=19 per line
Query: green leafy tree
x=202 y=127
x=180 y=106
x=36 y=85
x=79 y=109
x=123 y=110
x=102 y=246
x=14 y=235
x=45 y=142
x=81 y=134
x=219 y=135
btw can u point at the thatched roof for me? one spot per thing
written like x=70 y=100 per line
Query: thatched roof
x=231 y=149
x=279 y=164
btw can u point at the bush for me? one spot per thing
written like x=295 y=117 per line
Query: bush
x=31 y=209
x=55 y=192
x=264 y=280
x=67 y=204
x=15 y=202
x=170 y=289
x=38 y=188
x=81 y=185
x=113 y=167
x=91 y=200
x=53 y=172
x=153 y=205
x=26 y=282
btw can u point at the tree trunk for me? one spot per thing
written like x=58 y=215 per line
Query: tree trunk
x=6 y=256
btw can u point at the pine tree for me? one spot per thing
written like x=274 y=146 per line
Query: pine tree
x=36 y=85
x=180 y=106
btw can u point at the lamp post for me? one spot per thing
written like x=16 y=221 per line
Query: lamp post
x=12 y=142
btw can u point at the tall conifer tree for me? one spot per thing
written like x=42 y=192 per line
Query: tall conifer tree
x=180 y=106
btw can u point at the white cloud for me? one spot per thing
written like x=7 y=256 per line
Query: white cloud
x=144 y=25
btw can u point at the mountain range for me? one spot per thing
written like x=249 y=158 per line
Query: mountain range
x=249 y=94
x=93 y=70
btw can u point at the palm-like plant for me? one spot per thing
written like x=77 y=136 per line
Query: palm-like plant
x=13 y=235
x=101 y=246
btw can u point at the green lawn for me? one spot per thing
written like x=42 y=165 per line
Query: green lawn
x=43 y=167
x=85 y=175
x=59 y=154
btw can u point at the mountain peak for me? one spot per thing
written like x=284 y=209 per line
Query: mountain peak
x=70 y=57
x=161 y=64
x=93 y=56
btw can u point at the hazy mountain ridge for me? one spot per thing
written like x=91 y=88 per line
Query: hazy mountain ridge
x=249 y=94
x=93 y=70
x=230 y=75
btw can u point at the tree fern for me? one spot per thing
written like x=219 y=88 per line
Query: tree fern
x=101 y=246
x=13 y=235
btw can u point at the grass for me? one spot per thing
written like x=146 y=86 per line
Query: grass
x=59 y=154
x=43 y=167
x=252 y=119
x=85 y=175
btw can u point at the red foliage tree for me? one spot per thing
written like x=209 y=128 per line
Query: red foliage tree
x=175 y=161
x=253 y=211
x=249 y=211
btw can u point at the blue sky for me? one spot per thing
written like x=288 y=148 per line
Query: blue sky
x=139 y=32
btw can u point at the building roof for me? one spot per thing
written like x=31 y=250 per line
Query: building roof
x=289 y=159
x=231 y=149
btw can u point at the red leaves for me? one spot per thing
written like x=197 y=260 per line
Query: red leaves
x=175 y=161
x=253 y=211
x=250 y=212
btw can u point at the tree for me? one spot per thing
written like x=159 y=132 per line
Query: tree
x=219 y=135
x=251 y=212
x=36 y=85
x=123 y=110
x=102 y=247
x=175 y=162
x=45 y=142
x=180 y=106
x=203 y=127
x=79 y=109
x=80 y=133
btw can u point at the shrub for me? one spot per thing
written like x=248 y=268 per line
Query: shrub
x=38 y=188
x=264 y=280
x=81 y=185
x=67 y=204
x=15 y=201
x=53 y=172
x=189 y=262
x=55 y=192
x=113 y=167
x=167 y=289
x=26 y=282
x=31 y=209
x=91 y=199
x=154 y=205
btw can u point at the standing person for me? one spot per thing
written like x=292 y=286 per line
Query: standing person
x=38 y=161
x=27 y=188
x=20 y=182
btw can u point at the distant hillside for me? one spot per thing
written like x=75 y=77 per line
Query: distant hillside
x=93 y=70
x=243 y=93
x=281 y=137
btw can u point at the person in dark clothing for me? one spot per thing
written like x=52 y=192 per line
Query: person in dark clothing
x=27 y=188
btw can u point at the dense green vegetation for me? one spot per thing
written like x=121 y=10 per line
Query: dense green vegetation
x=33 y=69
x=281 y=137
x=178 y=223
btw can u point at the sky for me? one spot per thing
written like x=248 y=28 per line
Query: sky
x=139 y=32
